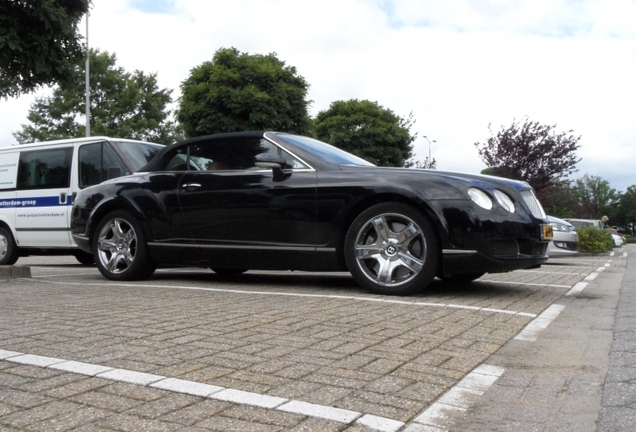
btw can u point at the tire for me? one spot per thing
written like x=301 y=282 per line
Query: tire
x=9 y=251
x=228 y=272
x=120 y=248
x=391 y=249
x=461 y=278
x=84 y=258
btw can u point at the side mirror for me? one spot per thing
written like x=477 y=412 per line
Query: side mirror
x=275 y=162
x=268 y=160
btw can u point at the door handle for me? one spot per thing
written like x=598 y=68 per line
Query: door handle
x=191 y=186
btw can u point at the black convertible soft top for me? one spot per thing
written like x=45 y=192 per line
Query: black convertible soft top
x=154 y=163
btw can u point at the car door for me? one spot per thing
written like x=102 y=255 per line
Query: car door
x=43 y=193
x=230 y=203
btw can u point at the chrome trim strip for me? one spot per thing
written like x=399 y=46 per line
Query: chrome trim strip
x=237 y=247
x=457 y=251
x=265 y=135
x=43 y=230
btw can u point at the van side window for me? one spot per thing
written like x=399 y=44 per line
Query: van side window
x=45 y=169
x=97 y=163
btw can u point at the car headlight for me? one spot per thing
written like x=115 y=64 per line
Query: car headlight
x=559 y=227
x=480 y=198
x=504 y=201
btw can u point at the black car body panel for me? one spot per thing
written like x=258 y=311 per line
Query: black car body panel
x=297 y=217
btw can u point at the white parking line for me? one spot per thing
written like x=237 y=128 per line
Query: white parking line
x=289 y=294
x=525 y=283
x=205 y=390
x=540 y=323
x=458 y=399
x=576 y=289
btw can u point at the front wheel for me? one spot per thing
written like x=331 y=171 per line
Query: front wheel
x=9 y=252
x=120 y=248
x=391 y=249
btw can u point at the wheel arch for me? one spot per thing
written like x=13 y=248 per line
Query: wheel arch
x=355 y=210
x=5 y=224
x=109 y=206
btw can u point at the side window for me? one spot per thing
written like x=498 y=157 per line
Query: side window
x=229 y=154
x=45 y=169
x=177 y=161
x=225 y=154
x=97 y=163
x=292 y=162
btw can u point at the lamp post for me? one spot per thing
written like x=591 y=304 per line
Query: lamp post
x=88 y=89
x=429 y=148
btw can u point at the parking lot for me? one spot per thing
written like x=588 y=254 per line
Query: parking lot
x=269 y=351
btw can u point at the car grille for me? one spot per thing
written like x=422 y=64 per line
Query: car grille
x=504 y=248
x=533 y=204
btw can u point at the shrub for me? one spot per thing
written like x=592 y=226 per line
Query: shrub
x=594 y=240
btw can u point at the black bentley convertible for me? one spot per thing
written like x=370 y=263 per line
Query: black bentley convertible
x=269 y=200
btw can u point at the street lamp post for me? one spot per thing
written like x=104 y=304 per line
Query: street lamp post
x=429 y=148
x=88 y=89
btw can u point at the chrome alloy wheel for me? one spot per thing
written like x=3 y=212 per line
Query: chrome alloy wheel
x=390 y=249
x=117 y=246
x=4 y=246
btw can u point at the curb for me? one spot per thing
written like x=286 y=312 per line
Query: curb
x=14 y=272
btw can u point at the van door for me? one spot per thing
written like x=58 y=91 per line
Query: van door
x=8 y=176
x=44 y=198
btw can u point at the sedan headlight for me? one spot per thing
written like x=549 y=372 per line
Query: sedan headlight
x=504 y=201
x=560 y=227
x=480 y=198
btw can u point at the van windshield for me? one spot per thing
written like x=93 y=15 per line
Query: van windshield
x=137 y=154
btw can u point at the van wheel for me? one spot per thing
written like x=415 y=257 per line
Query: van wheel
x=120 y=248
x=9 y=252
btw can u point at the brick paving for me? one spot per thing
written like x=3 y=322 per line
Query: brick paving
x=309 y=338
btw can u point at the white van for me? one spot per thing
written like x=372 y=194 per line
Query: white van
x=39 y=181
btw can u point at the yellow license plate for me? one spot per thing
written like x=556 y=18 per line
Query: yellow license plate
x=546 y=232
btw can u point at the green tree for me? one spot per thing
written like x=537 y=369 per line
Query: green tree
x=531 y=152
x=595 y=198
x=39 y=43
x=240 y=91
x=560 y=199
x=367 y=130
x=626 y=214
x=122 y=104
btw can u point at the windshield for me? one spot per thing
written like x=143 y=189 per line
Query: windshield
x=324 y=151
x=138 y=153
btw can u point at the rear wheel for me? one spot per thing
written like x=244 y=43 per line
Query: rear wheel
x=392 y=249
x=9 y=252
x=120 y=248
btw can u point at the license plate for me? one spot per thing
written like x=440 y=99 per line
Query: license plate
x=546 y=232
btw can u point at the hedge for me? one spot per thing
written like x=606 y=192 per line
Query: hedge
x=594 y=240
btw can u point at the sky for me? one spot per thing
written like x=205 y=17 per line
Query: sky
x=459 y=66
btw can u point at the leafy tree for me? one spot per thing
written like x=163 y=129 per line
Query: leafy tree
x=561 y=200
x=123 y=105
x=626 y=214
x=239 y=91
x=531 y=152
x=595 y=198
x=368 y=130
x=39 y=43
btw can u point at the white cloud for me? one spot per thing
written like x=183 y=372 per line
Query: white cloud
x=458 y=65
